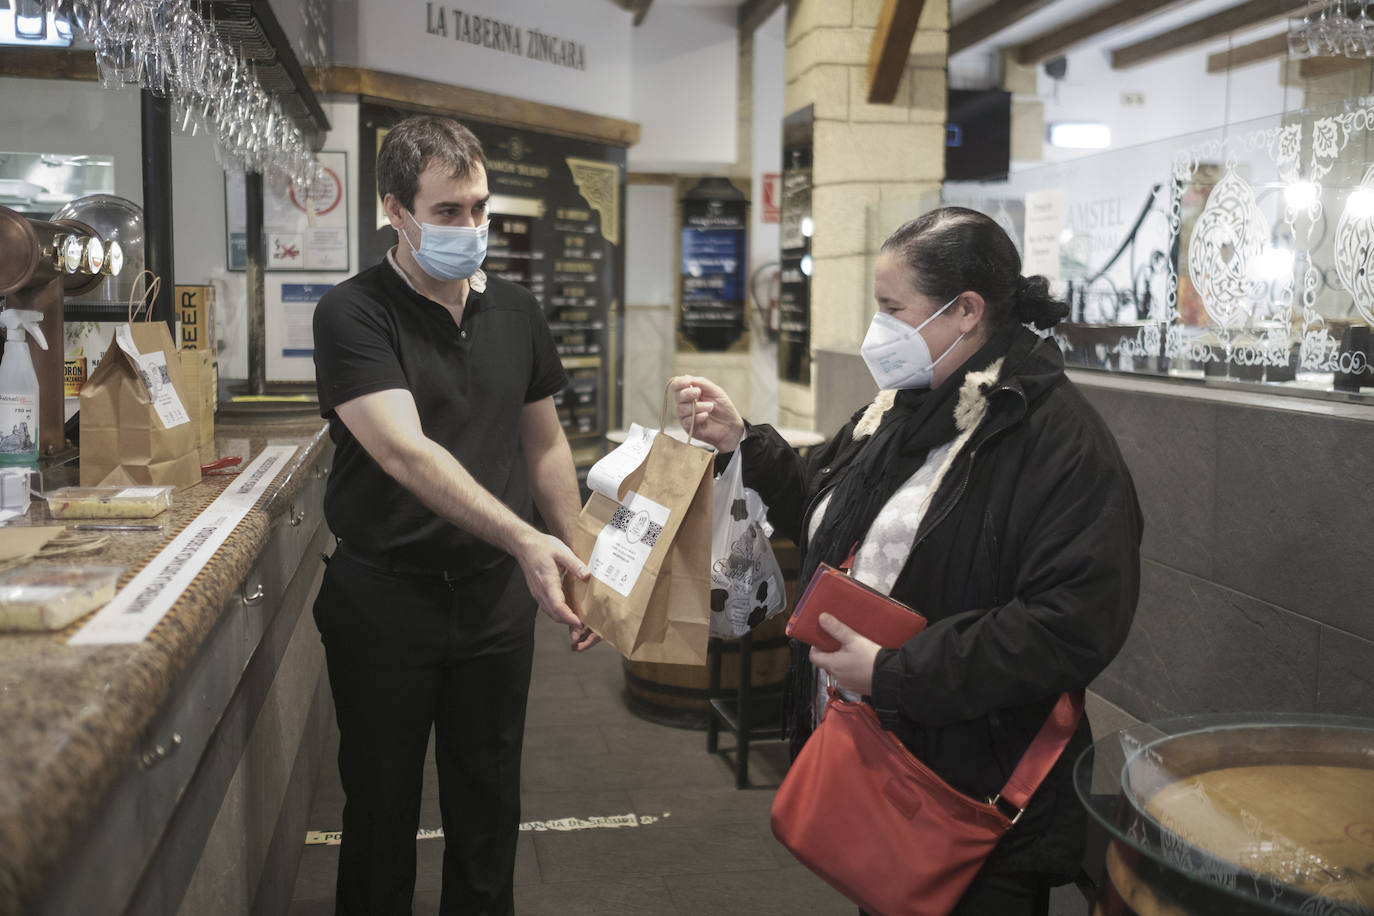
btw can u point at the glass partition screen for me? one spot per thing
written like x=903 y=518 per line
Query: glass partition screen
x=1243 y=254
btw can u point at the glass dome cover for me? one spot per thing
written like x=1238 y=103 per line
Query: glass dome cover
x=114 y=219
x=1224 y=814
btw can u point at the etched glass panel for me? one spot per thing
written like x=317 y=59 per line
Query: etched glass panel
x=1239 y=255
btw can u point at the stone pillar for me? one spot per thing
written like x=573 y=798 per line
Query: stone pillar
x=874 y=167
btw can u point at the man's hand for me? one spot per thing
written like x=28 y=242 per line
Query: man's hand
x=544 y=559
x=851 y=665
x=582 y=637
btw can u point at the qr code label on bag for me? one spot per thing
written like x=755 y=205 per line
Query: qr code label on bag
x=623 y=546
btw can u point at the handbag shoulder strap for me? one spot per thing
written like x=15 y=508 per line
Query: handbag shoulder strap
x=1048 y=745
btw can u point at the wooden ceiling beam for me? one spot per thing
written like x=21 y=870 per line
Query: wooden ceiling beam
x=1241 y=55
x=887 y=55
x=1059 y=39
x=638 y=7
x=753 y=13
x=1316 y=67
x=991 y=20
x=1199 y=31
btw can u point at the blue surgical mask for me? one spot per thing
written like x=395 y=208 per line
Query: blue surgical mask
x=449 y=253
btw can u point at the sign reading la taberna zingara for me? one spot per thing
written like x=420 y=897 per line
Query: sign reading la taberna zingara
x=496 y=35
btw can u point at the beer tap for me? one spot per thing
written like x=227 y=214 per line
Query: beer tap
x=41 y=263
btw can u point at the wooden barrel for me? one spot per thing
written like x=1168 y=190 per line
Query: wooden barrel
x=1247 y=819
x=677 y=695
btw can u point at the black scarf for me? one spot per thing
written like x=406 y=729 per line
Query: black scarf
x=871 y=470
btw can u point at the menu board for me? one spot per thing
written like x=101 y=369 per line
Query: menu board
x=794 y=294
x=713 y=257
x=557 y=207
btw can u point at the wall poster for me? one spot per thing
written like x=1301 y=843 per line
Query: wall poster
x=712 y=272
x=557 y=207
x=291 y=239
x=794 y=295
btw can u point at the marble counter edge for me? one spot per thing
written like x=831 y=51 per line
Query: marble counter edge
x=43 y=807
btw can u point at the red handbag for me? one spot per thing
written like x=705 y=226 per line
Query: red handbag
x=858 y=809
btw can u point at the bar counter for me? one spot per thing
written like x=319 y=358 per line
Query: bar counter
x=167 y=775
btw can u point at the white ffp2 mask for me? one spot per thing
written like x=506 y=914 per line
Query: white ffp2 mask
x=896 y=353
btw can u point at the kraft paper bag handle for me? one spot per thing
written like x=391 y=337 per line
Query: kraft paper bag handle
x=663 y=417
x=143 y=303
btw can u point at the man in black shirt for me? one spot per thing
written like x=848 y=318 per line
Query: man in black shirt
x=437 y=382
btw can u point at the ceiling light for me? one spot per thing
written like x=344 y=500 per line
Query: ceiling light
x=1080 y=135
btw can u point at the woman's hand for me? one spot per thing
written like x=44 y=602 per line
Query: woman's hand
x=717 y=421
x=851 y=665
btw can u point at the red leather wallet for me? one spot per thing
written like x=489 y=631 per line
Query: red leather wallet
x=887 y=622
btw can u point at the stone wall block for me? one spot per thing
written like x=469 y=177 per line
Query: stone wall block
x=827 y=46
x=839 y=289
x=900 y=203
x=878 y=152
x=929 y=49
x=1176 y=486
x=1027 y=130
x=929 y=102
x=842 y=215
x=861 y=110
x=825 y=87
x=809 y=15
x=934 y=15
x=1199 y=647
x=1292 y=513
x=1345 y=674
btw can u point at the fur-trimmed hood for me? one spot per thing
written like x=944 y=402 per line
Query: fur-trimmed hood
x=1031 y=366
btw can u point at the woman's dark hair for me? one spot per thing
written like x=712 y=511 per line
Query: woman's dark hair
x=955 y=249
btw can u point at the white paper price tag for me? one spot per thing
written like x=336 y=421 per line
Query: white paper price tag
x=606 y=476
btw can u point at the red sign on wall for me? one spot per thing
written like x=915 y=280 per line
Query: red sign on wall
x=772 y=197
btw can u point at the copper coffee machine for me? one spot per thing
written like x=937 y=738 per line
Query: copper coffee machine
x=41 y=264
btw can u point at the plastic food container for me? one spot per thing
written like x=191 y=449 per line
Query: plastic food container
x=109 y=502
x=50 y=597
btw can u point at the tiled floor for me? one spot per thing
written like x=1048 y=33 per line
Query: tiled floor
x=701 y=845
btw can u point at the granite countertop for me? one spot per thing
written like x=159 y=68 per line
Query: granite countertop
x=71 y=716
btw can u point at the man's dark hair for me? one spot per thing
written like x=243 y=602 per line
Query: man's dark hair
x=413 y=144
x=955 y=249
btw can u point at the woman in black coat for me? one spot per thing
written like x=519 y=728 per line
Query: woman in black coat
x=982 y=490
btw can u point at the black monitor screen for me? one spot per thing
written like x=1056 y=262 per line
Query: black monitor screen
x=977 y=135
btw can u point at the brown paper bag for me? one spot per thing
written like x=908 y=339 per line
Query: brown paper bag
x=198 y=369
x=662 y=611
x=136 y=424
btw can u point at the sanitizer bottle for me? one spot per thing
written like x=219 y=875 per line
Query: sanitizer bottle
x=19 y=389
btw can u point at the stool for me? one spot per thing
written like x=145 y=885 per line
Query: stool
x=753 y=713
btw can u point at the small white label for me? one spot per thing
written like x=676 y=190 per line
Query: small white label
x=152 y=369
x=606 y=476
x=624 y=545
x=18 y=423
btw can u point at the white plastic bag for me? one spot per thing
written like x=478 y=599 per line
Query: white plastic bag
x=746 y=581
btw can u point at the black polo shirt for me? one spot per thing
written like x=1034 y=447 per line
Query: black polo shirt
x=373 y=332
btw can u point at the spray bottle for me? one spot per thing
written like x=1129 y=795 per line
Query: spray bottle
x=19 y=389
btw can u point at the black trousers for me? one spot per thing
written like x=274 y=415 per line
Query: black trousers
x=1004 y=895
x=401 y=662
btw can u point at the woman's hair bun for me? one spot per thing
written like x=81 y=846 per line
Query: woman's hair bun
x=1033 y=303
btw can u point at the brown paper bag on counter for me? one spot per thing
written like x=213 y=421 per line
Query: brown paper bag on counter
x=198 y=368
x=136 y=426
x=659 y=611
